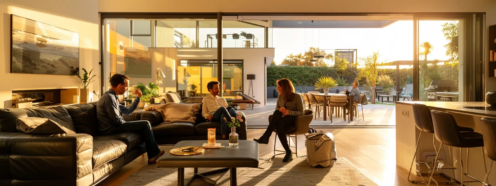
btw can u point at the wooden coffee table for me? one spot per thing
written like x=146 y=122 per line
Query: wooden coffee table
x=244 y=155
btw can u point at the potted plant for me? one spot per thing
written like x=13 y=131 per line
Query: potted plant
x=86 y=79
x=149 y=92
x=193 y=87
x=325 y=82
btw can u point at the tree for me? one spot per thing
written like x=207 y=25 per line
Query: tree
x=304 y=59
x=273 y=63
x=426 y=49
x=370 y=72
x=341 y=64
x=450 y=31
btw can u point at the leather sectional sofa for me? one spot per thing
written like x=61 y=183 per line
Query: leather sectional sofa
x=84 y=158
x=171 y=133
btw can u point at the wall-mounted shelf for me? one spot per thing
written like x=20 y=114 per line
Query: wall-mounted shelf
x=492 y=47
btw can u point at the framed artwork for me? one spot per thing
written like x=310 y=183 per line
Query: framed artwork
x=39 y=48
x=138 y=63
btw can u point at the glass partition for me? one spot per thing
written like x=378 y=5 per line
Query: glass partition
x=194 y=75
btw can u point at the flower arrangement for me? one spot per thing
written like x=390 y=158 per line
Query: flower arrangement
x=236 y=122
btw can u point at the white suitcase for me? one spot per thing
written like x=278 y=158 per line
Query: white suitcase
x=321 y=149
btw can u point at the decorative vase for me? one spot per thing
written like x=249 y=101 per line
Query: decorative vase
x=326 y=91
x=233 y=137
x=84 y=95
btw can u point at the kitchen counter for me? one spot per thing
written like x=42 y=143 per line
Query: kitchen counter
x=407 y=135
x=456 y=106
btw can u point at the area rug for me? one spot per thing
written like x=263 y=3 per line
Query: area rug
x=270 y=172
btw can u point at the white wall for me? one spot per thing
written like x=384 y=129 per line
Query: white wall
x=311 y=6
x=79 y=16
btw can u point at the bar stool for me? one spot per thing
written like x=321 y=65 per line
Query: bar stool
x=423 y=122
x=449 y=133
x=489 y=132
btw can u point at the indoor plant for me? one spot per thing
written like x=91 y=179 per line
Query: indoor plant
x=149 y=92
x=325 y=82
x=233 y=136
x=86 y=79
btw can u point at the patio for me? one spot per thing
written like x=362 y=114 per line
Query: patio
x=376 y=115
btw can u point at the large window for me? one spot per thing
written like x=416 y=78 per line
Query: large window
x=194 y=75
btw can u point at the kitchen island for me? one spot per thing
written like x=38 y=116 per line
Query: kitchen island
x=466 y=114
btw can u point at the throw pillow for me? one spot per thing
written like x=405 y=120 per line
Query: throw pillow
x=179 y=112
x=37 y=125
x=153 y=107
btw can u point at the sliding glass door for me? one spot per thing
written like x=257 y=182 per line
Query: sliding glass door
x=194 y=75
x=446 y=58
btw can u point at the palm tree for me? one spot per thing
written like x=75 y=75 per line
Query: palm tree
x=424 y=79
x=427 y=49
x=370 y=72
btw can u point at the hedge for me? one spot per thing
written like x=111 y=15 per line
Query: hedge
x=299 y=75
x=306 y=75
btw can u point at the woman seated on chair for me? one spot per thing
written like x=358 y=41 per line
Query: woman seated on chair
x=289 y=106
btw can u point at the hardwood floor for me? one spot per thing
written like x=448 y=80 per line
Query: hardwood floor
x=370 y=150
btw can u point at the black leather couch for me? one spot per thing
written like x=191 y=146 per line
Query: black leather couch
x=171 y=133
x=84 y=158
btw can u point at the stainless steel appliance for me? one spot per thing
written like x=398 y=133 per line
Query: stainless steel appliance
x=442 y=90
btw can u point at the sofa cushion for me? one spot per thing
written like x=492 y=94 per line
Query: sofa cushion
x=132 y=140
x=173 y=97
x=199 y=116
x=37 y=125
x=202 y=128
x=178 y=112
x=84 y=118
x=174 y=129
x=8 y=118
x=58 y=114
x=106 y=150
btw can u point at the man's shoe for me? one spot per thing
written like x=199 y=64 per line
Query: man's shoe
x=262 y=140
x=288 y=157
x=154 y=159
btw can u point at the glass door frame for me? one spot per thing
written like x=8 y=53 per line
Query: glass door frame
x=474 y=32
x=242 y=62
x=140 y=15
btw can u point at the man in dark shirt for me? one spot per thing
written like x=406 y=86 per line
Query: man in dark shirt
x=109 y=114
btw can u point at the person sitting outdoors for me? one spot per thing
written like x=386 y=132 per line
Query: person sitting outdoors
x=354 y=92
x=289 y=106
x=110 y=121
x=215 y=108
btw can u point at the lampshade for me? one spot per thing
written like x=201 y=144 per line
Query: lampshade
x=160 y=73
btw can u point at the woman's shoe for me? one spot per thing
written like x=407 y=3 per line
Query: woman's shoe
x=262 y=140
x=288 y=157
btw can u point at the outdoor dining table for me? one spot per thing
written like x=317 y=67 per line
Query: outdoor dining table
x=350 y=105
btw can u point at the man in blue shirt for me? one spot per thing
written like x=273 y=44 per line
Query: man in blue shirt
x=109 y=114
x=354 y=92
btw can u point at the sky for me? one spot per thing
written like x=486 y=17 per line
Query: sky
x=394 y=42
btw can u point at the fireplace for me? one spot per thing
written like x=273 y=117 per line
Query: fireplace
x=35 y=98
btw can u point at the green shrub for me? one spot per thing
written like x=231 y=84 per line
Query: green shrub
x=386 y=82
x=342 y=82
x=299 y=75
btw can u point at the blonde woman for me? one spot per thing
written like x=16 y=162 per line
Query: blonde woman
x=289 y=106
